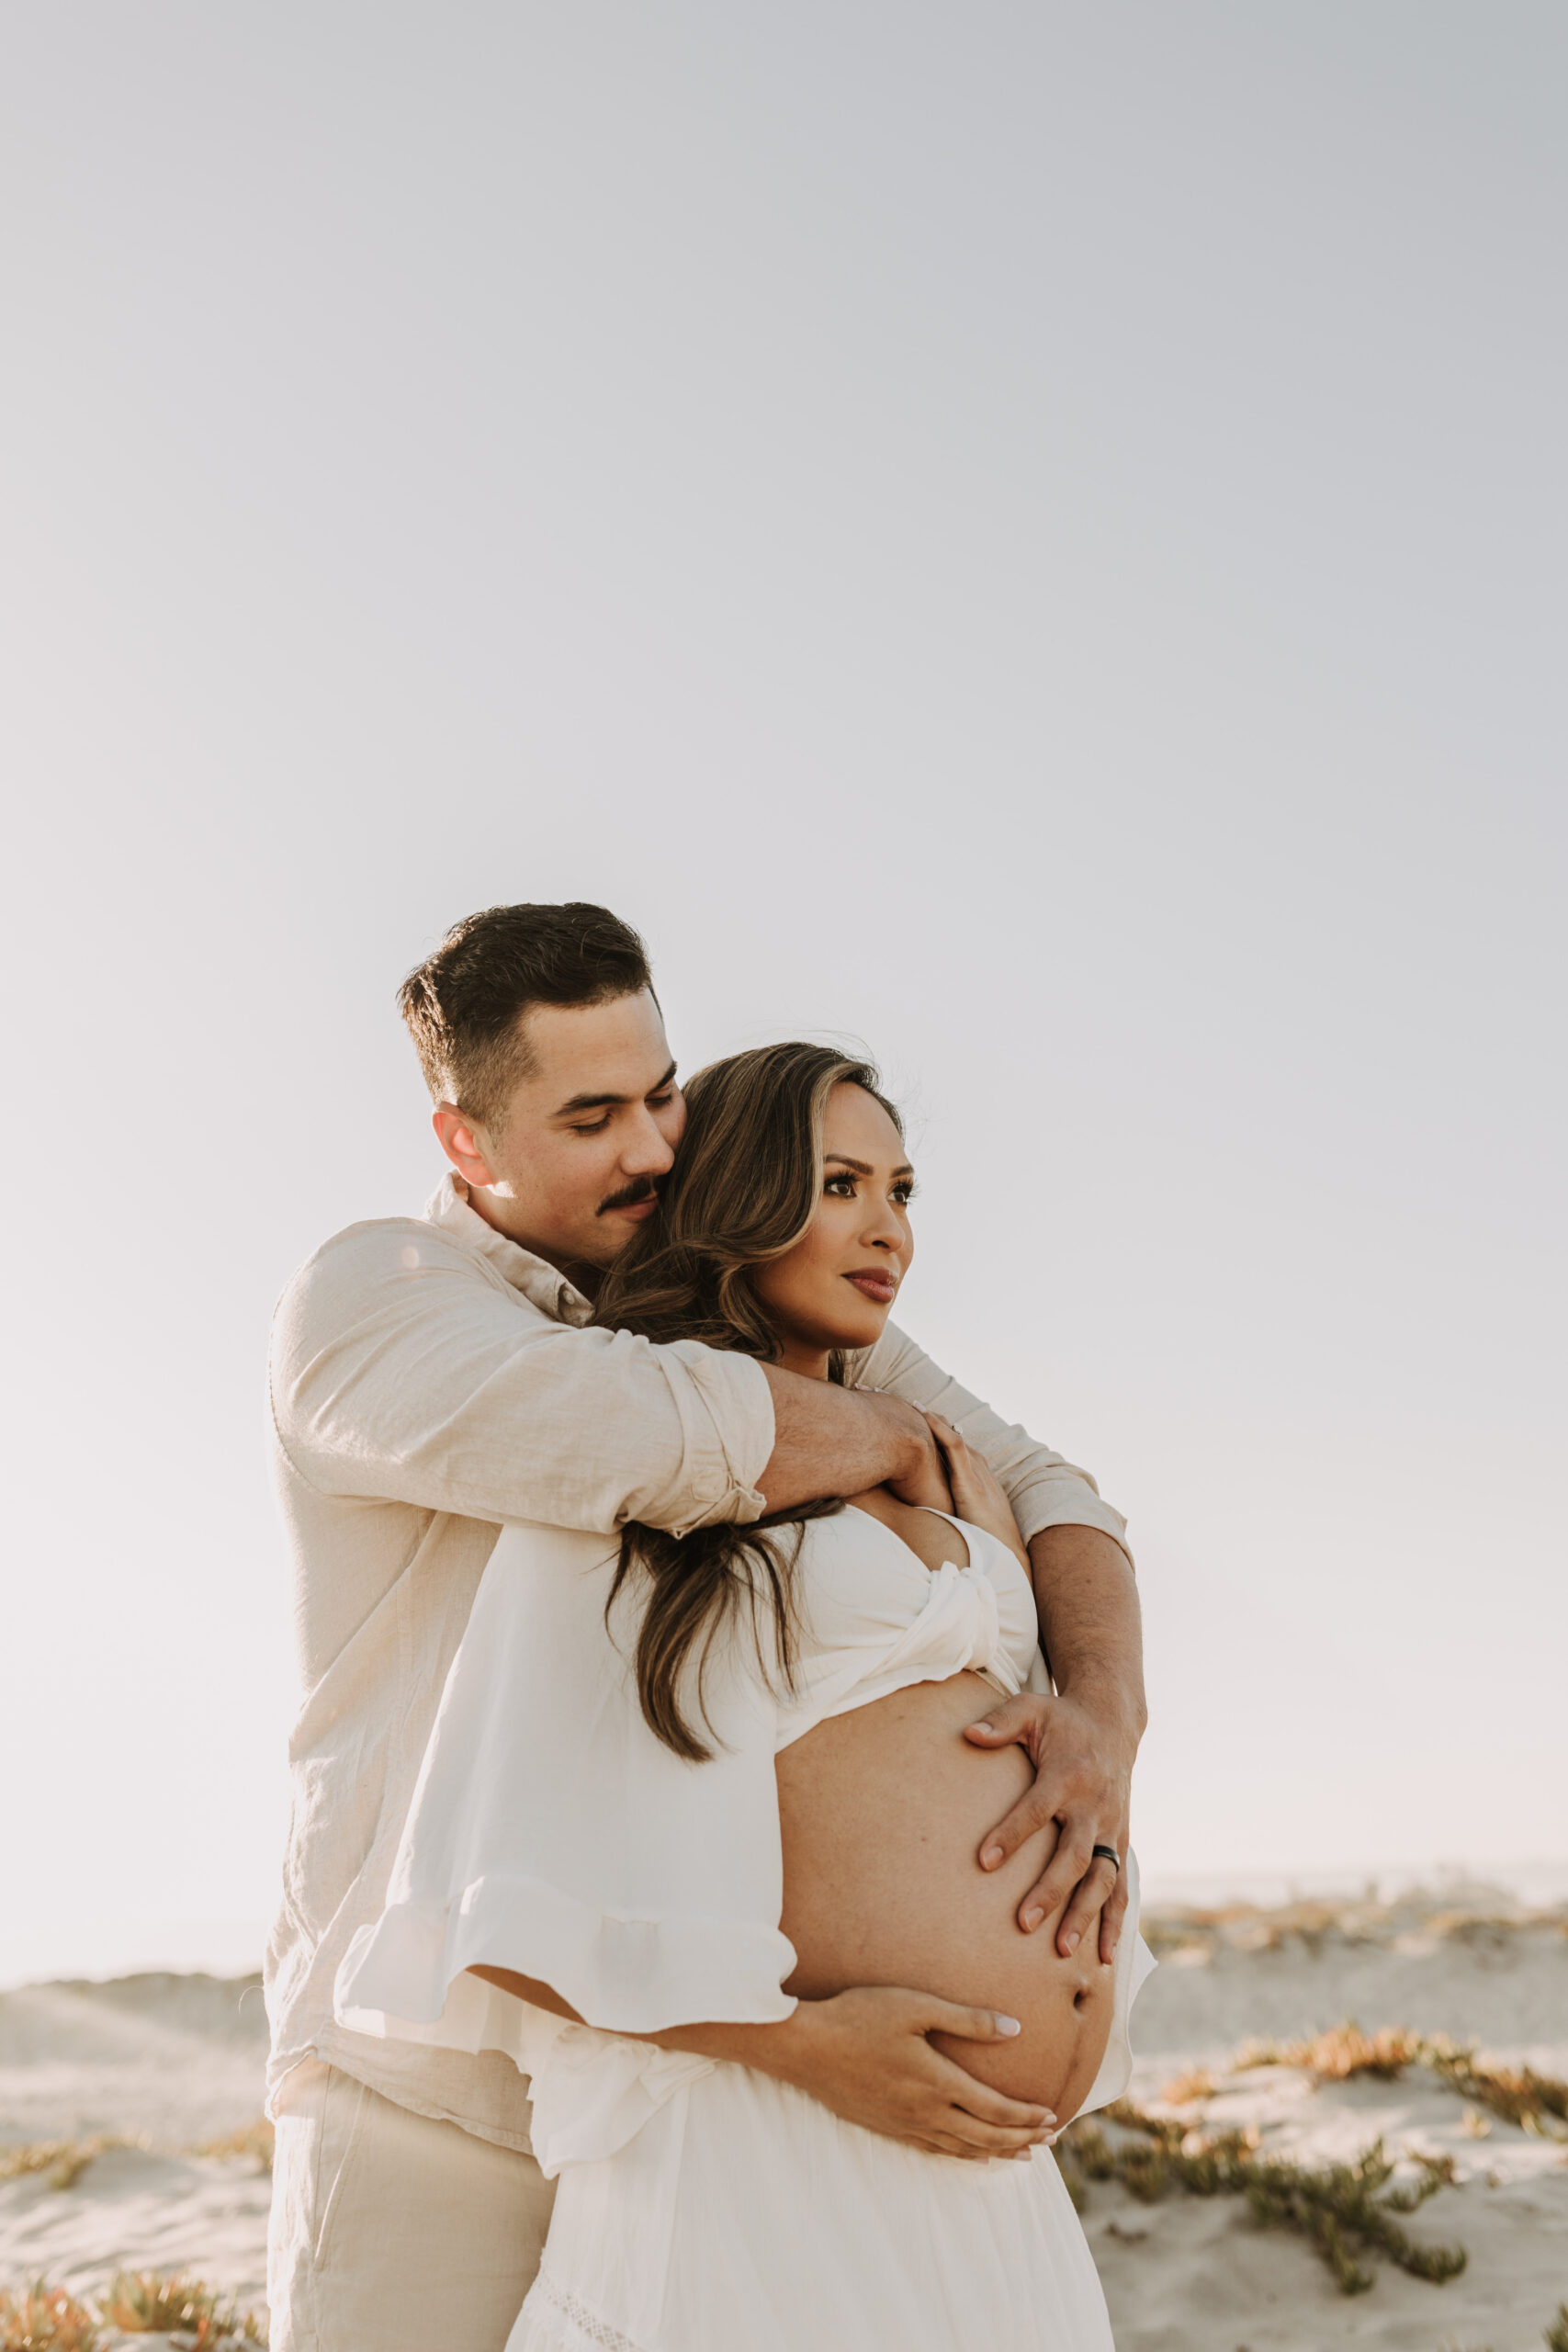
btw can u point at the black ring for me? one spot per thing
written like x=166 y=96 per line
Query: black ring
x=1109 y=1854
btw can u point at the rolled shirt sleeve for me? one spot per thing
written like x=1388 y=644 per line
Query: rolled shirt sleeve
x=1044 y=1489
x=404 y=1370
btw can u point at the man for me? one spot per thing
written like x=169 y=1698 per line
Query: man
x=433 y=1377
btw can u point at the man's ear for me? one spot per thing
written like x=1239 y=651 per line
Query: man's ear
x=463 y=1144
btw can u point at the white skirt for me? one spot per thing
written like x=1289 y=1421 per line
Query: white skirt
x=744 y=2217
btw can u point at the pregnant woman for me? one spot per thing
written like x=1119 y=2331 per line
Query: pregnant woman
x=679 y=1779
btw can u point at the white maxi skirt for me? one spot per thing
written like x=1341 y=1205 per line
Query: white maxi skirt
x=744 y=2217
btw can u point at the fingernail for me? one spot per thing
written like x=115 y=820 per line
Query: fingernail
x=1047 y=2120
x=1070 y=1942
x=982 y=1726
x=990 y=1857
x=1032 y=1920
x=1007 y=2025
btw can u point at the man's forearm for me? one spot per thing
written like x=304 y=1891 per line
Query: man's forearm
x=1091 y=1624
x=832 y=1441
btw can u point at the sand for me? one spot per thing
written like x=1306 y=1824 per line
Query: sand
x=174 y=2061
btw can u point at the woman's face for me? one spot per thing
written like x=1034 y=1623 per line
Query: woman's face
x=835 y=1287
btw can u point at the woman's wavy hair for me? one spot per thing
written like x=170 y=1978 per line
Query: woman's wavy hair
x=744 y=1189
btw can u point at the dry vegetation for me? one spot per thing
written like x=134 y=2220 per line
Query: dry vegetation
x=1486 y=1918
x=252 y=2140
x=48 y=2319
x=142 y=2304
x=63 y=2160
x=1350 y=2214
x=1537 y=2103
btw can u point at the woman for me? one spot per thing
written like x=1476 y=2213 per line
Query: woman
x=692 y=1778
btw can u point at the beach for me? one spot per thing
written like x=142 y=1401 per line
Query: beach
x=129 y=2139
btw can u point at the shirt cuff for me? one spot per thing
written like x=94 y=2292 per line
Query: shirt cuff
x=727 y=1428
x=1068 y=1501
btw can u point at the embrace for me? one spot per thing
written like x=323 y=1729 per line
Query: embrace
x=707 y=1891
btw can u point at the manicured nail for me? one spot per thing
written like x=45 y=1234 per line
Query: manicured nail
x=990 y=1857
x=1032 y=1920
x=1047 y=2121
x=982 y=1726
x=1070 y=1942
x=1007 y=2025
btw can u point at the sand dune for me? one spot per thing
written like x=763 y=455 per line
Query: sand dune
x=175 y=2060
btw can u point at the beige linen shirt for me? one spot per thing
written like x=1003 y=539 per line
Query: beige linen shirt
x=431 y=1380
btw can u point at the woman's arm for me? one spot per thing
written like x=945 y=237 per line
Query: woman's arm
x=864 y=2055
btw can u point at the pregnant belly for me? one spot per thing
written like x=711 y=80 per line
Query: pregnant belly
x=883 y=1813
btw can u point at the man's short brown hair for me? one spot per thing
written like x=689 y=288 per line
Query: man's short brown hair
x=463 y=1005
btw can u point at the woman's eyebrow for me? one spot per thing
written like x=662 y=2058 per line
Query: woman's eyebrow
x=842 y=1159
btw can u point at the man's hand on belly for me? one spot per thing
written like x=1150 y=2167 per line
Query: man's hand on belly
x=1082 y=1742
x=1083 y=1767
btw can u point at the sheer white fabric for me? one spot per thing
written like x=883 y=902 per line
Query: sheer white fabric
x=552 y=1834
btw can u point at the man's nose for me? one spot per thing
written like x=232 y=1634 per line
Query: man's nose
x=647 y=1151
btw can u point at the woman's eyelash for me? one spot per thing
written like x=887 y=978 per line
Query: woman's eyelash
x=903 y=1192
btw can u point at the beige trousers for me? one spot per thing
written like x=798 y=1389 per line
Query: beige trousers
x=391 y=2233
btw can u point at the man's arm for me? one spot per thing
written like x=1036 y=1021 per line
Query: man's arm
x=1043 y=1488
x=1082 y=1742
x=832 y=1441
x=403 y=1369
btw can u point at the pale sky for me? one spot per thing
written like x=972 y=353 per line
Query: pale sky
x=1030 y=536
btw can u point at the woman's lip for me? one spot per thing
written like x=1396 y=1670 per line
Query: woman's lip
x=880 y=1287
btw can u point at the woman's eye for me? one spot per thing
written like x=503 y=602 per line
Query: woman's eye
x=844 y=1185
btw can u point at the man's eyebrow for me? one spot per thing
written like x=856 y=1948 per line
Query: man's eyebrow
x=603 y=1101
x=842 y=1159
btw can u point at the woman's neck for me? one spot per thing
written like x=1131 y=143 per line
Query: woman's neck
x=799 y=1355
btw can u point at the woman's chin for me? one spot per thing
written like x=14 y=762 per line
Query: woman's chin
x=860 y=1329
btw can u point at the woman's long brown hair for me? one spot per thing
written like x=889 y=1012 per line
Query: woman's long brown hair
x=745 y=1187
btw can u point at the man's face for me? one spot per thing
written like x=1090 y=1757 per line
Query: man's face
x=569 y=1170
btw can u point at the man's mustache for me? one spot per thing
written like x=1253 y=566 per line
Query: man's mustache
x=628 y=1196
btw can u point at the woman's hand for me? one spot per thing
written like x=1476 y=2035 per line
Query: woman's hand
x=866 y=2055
x=978 y=1494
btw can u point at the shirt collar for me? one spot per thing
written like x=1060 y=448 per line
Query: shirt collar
x=542 y=1285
